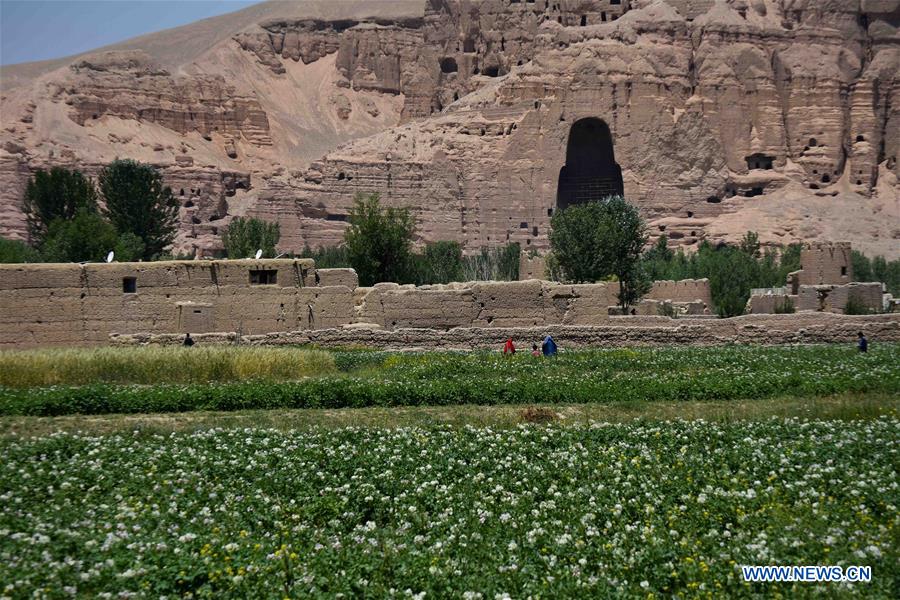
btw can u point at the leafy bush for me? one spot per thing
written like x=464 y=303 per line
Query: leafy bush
x=243 y=237
x=597 y=240
x=14 y=251
x=785 y=307
x=57 y=195
x=379 y=241
x=85 y=237
x=732 y=270
x=441 y=262
x=877 y=269
x=855 y=306
x=493 y=264
x=329 y=257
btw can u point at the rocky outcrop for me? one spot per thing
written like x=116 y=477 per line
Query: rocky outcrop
x=723 y=115
x=129 y=86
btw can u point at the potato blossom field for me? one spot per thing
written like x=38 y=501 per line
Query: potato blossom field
x=645 y=509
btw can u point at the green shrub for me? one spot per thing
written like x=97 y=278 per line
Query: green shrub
x=14 y=251
x=493 y=264
x=243 y=237
x=785 y=307
x=379 y=241
x=855 y=306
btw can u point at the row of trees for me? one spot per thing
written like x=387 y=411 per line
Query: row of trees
x=877 y=269
x=378 y=244
x=596 y=241
x=66 y=222
x=732 y=270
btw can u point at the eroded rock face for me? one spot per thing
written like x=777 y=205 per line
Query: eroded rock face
x=740 y=100
x=722 y=116
x=129 y=86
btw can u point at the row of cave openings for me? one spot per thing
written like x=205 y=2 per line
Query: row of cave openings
x=449 y=64
x=591 y=172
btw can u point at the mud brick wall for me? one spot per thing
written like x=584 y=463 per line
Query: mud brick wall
x=70 y=304
x=825 y=263
x=687 y=290
x=801 y=328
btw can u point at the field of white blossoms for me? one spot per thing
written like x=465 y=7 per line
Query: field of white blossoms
x=646 y=509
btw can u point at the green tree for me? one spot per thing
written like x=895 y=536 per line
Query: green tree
x=57 y=194
x=657 y=259
x=379 y=241
x=129 y=247
x=328 y=257
x=862 y=266
x=493 y=264
x=14 y=251
x=596 y=240
x=750 y=244
x=137 y=202
x=85 y=237
x=441 y=262
x=244 y=237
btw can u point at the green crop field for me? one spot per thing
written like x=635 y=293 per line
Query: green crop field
x=667 y=509
x=176 y=380
x=247 y=472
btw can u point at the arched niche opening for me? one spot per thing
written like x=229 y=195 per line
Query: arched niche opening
x=591 y=172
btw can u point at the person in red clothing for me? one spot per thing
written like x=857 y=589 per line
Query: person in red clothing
x=509 y=347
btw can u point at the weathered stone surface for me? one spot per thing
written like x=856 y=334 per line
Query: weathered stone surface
x=809 y=328
x=773 y=115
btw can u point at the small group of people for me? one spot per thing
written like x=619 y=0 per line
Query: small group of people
x=548 y=347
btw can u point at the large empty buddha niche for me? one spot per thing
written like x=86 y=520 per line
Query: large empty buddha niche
x=590 y=172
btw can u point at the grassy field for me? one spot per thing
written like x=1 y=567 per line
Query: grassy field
x=176 y=380
x=640 y=509
x=846 y=407
x=152 y=365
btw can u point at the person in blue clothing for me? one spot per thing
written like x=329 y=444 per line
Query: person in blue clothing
x=549 y=346
x=863 y=343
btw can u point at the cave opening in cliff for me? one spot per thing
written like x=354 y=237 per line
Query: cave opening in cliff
x=590 y=172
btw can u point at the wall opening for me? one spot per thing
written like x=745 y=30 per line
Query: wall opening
x=760 y=161
x=448 y=65
x=590 y=172
x=129 y=285
x=263 y=277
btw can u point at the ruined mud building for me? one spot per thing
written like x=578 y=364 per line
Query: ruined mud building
x=84 y=304
x=824 y=283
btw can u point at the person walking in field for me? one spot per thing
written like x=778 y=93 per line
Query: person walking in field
x=509 y=347
x=549 y=346
x=188 y=341
x=863 y=343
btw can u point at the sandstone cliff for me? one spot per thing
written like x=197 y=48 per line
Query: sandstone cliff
x=780 y=116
